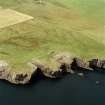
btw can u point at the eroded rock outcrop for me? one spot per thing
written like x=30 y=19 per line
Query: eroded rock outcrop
x=13 y=77
x=65 y=61
x=4 y=69
x=46 y=70
x=18 y=78
x=81 y=64
x=97 y=64
x=55 y=67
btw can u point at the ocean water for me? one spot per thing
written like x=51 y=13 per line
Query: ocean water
x=70 y=90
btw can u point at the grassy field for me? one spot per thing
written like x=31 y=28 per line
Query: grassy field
x=74 y=26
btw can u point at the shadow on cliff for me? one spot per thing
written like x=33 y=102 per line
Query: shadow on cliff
x=79 y=69
x=38 y=76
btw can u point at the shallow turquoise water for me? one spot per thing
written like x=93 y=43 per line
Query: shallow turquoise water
x=71 y=90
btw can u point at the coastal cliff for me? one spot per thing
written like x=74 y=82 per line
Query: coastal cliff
x=64 y=64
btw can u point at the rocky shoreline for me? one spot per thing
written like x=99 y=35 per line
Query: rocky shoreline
x=65 y=64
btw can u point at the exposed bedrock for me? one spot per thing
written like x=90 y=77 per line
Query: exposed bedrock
x=97 y=64
x=4 y=70
x=18 y=78
x=80 y=64
x=14 y=77
x=63 y=64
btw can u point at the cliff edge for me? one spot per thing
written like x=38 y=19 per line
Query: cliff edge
x=61 y=64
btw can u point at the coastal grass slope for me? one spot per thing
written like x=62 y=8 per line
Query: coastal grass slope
x=73 y=26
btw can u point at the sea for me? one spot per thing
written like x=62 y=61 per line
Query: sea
x=69 y=90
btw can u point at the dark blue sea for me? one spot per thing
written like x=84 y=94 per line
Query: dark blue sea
x=70 y=90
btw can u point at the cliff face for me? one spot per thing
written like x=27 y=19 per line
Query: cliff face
x=13 y=77
x=65 y=64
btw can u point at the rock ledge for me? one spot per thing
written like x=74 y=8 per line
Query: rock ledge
x=64 y=64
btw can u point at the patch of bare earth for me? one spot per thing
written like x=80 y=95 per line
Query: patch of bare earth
x=10 y=17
